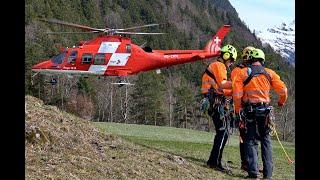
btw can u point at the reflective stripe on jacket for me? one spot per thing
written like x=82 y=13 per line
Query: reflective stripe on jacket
x=207 y=84
x=258 y=89
x=218 y=69
x=234 y=74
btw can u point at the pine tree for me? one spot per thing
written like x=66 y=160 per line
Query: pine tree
x=184 y=103
x=148 y=98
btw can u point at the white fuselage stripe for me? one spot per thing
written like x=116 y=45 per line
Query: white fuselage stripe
x=108 y=47
x=98 y=69
x=118 y=59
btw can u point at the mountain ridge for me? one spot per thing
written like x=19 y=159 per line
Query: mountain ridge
x=282 y=39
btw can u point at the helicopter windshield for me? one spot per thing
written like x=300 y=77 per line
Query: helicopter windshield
x=58 y=58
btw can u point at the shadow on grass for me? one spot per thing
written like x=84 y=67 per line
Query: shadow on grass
x=200 y=162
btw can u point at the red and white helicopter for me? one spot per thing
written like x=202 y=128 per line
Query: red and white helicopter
x=114 y=55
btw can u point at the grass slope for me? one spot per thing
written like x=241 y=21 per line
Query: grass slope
x=195 y=146
x=59 y=145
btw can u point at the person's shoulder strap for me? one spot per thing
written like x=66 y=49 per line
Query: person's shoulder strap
x=241 y=66
x=210 y=74
x=256 y=70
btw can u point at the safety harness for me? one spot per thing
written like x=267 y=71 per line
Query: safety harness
x=219 y=103
x=255 y=71
x=259 y=109
x=241 y=66
x=210 y=74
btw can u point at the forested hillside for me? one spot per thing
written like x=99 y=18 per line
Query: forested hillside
x=171 y=98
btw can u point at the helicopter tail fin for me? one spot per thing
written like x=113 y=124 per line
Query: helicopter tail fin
x=213 y=46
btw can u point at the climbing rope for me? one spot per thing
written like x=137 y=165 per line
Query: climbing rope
x=275 y=132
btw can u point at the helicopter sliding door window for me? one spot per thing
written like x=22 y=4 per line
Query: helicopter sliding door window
x=99 y=59
x=86 y=58
x=72 y=58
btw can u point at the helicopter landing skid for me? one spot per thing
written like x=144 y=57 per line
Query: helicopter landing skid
x=53 y=81
x=122 y=82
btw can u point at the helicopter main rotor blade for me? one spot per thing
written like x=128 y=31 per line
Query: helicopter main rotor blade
x=136 y=27
x=138 y=33
x=90 y=32
x=87 y=28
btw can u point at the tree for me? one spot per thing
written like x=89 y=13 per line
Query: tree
x=148 y=97
x=184 y=103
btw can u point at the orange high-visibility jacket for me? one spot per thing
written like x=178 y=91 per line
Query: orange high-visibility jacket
x=218 y=69
x=257 y=90
x=235 y=72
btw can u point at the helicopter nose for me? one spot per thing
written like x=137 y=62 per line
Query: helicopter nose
x=42 y=65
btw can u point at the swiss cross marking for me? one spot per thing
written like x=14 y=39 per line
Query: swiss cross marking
x=217 y=40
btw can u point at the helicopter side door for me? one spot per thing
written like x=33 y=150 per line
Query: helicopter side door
x=100 y=64
x=71 y=60
x=84 y=61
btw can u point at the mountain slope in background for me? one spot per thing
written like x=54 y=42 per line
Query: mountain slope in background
x=281 y=39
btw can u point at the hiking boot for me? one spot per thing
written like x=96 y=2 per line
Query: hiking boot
x=268 y=178
x=252 y=176
x=261 y=170
x=244 y=167
x=216 y=167
x=219 y=168
x=211 y=166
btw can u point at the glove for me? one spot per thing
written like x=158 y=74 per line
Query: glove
x=280 y=104
x=205 y=104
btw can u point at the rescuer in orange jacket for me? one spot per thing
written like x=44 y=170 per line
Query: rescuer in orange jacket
x=243 y=64
x=233 y=74
x=251 y=89
x=215 y=87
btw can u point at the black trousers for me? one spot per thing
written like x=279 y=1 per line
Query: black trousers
x=242 y=148
x=219 y=142
x=256 y=131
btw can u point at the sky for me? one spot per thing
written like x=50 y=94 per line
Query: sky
x=263 y=14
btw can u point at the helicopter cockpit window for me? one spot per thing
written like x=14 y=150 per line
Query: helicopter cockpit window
x=86 y=58
x=99 y=59
x=72 y=57
x=58 y=59
x=128 y=48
